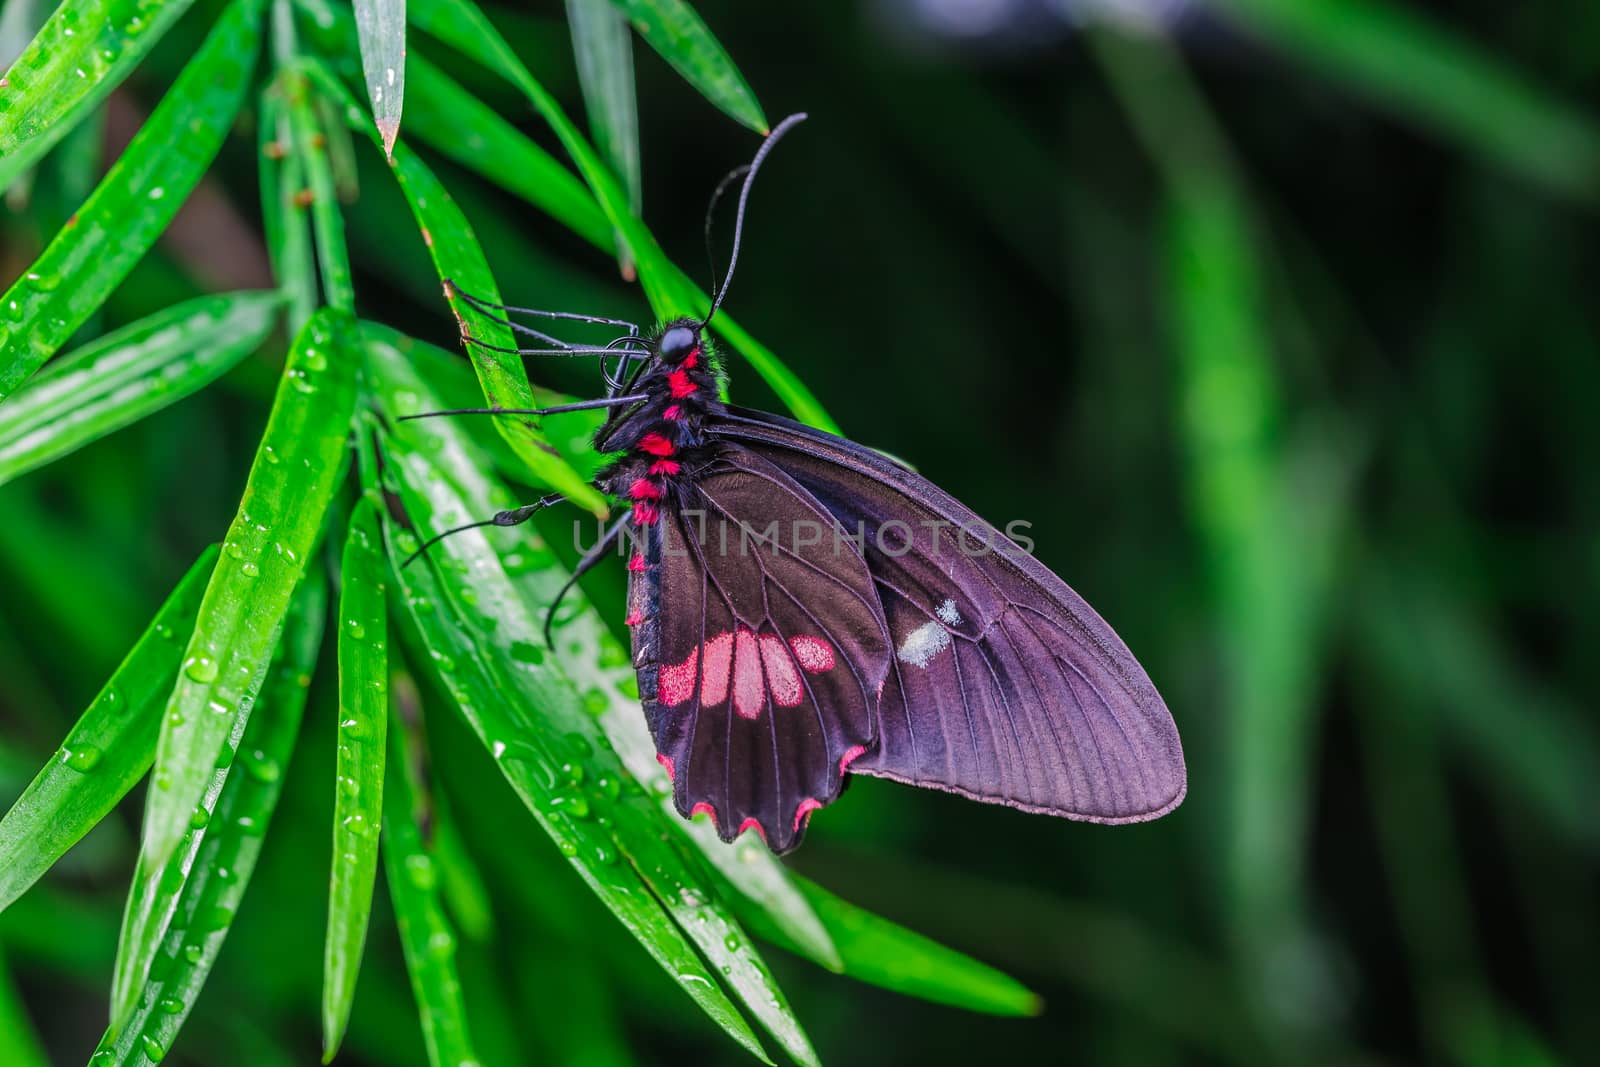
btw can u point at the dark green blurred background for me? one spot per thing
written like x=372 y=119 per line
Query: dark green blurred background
x=1294 y=371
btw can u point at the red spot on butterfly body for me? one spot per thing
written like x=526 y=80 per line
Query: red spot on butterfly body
x=753 y=666
x=665 y=466
x=807 y=806
x=644 y=489
x=636 y=563
x=656 y=445
x=673 y=412
x=645 y=514
x=633 y=619
x=692 y=359
x=679 y=385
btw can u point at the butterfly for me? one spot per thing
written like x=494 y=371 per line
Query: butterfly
x=803 y=609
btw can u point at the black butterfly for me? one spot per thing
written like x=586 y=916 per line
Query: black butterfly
x=803 y=608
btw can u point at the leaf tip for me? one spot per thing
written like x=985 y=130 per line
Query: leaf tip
x=389 y=130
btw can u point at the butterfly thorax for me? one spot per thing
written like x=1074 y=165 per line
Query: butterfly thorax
x=662 y=437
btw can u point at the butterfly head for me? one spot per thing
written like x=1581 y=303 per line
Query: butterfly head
x=680 y=340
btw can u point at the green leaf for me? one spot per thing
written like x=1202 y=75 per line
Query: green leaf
x=458 y=259
x=358 y=792
x=222 y=864
x=381 y=25
x=327 y=222
x=82 y=53
x=1420 y=70
x=124 y=376
x=885 y=954
x=463 y=26
x=680 y=36
x=604 y=50
x=292 y=481
x=135 y=201
x=426 y=936
x=106 y=751
x=592 y=659
x=284 y=220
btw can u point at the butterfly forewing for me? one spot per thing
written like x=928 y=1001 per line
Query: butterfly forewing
x=1003 y=684
x=761 y=676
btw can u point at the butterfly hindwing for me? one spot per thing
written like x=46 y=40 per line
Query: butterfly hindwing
x=760 y=660
x=1004 y=686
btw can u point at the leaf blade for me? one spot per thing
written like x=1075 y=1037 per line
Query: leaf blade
x=45 y=96
x=135 y=201
x=681 y=37
x=358 y=795
x=426 y=936
x=119 y=727
x=226 y=859
x=290 y=485
x=126 y=375
x=381 y=25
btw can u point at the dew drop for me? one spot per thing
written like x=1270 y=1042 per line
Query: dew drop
x=153 y=1048
x=200 y=668
x=170 y=1005
x=82 y=758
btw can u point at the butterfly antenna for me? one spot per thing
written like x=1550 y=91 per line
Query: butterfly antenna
x=744 y=196
x=711 y=213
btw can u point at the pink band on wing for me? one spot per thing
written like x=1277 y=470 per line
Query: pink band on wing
x=706 y=807
x=753 y=824
x=814 y=653
x=666 y=761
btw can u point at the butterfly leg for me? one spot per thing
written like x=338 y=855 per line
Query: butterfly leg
x=590 y=558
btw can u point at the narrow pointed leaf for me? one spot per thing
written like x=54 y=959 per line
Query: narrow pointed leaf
x=382 y=26
x=82 y=53
x=460 y=261
x=109 y=748
x=886 y=954
x=284 y=220
x=358 y=790
x=135 y=201
x=159 y=885
x=327 y=221
x=593 y=659
x=426 y=935
x=679 y=35
x=226 y=858
x=291 y=483
x=126 y=375
x=603 y=47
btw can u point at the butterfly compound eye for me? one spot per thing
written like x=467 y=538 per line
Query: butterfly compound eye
x=676 y=344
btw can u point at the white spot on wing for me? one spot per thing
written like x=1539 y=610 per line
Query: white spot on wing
x=931 y=638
